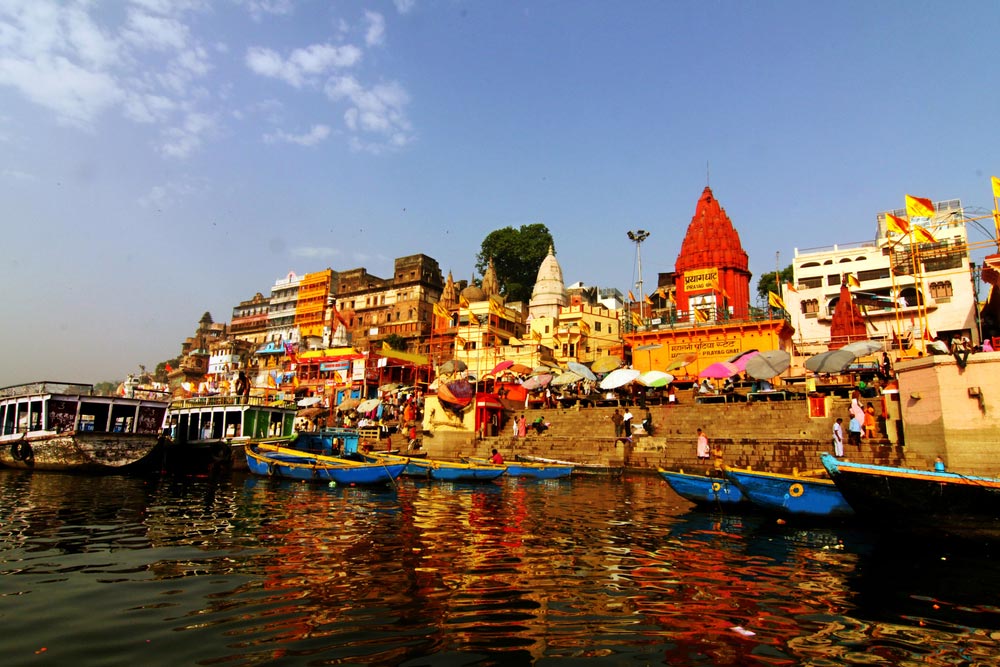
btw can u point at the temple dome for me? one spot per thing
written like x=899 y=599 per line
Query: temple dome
x=549 y=293
x=473 y=293
x=711 y=240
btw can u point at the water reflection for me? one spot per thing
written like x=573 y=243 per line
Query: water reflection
x=248 y=571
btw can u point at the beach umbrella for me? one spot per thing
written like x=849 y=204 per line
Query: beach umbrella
x=719 y=370
x=541 y=370
x=833 y=361
x=369 y=405
x=452 y=366
x=768 y=364
x=309 y=401
x=569 y=377
x=655 y=379
x=501 y=367
x=390 y=386
x=680 y=361
x=537 y=381
x=605 y=364
x=862 y=348
x=740 y=360
x=348 y=404
x=582 y=371
x=519 y=369
x=619 y=378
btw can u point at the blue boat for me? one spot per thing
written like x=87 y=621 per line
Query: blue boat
x=533 y=470
x=801 y=494
x=705 y=490
x=454 y=471
x=270 y=461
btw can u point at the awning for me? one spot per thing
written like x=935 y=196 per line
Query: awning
x=331 y=354
x=411 y=357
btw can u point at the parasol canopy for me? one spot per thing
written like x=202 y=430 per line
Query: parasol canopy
x=605 y=364
x=766 y=365
x=582 y=371
x=655 y=379
x=680 y=361
x=348 y=404
x=862 y=348
x=537 y=381
x=369 y=405
x=740 y=360
x=519 y=369
x=569 y=377
x=452 y=366
x=619 y=378
x=310 y=413
x=501 y=367
x=719 y=370
x=834 y=361
x=388 y=387
x=309 y=401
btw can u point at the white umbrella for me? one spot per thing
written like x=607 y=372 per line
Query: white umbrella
x=655 y=379
x=369 y=405
x=569 y=377
x=582 y=371
x=309 y=401
x=619 y=378
x=861 y=348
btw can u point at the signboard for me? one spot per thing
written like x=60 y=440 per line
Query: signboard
x=339 y=366
x=700 y=280
x=708 y=348
x=358 y=370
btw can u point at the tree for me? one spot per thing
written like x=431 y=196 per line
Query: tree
x=516 y=255
x=766 y=282
x=395 y=341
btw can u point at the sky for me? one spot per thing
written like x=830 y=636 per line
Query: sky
x=164 y=158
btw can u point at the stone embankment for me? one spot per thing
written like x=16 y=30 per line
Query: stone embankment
x=768 y=436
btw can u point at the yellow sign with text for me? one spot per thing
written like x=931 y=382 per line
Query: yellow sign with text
x=700 y=280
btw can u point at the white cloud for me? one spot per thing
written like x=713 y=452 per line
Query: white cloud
x=166 y=195
x=314 y=252
x=148 y=108
x=17 y=175
x=155 y=32
x=260 y=9
x=181 y=141
x=405 y=6
x=303 y=65
x=75 y=94
x=377 y=110
x=317 y=134
x=375 y=34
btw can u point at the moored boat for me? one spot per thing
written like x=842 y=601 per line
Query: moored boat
x=803 y=494
x=704 y=490
x=578 y=468
x=921 y=501
x=65 y=426
x=275 y=461
x=456 y=471
x=534 y=470
x=212 y=431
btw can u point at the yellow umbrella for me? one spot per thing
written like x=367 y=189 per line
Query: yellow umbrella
x=606 y=364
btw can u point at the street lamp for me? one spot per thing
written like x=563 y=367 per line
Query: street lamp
x=637 y=237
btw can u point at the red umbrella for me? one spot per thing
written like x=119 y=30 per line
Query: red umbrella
x=719 y=370
x=536 y=381
x=502 y=366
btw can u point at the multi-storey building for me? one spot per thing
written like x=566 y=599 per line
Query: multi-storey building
x=311 y=307
x=249 y=321
x=281 y=309
x=909 y=290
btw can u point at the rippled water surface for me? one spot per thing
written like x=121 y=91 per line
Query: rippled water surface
x=241 y=571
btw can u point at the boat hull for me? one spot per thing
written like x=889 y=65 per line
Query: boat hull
x=705 y=490
x=578 y=468
x=534 y=470
x=83 y=452
x=453 y=471
x=921 y=501
x=298 y=466
x=792 y=495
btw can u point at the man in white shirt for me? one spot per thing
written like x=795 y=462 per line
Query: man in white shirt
x=838 y=438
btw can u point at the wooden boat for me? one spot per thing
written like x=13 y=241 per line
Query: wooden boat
x=534 y=470
x=64 y=426
x=212 y=431
x=804 y=494
x=275 y=461
x=705 y=490
x=935 y=503
x=578 y=468
x=456 y=471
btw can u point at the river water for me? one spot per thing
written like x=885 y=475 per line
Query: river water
x=246 y=571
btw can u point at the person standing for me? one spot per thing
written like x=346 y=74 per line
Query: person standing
x=514 y=425
x=522 y=427
x=838 y=438
x=854 y=431
x=616 y=419
x=627 y=424
x=702 y=446
x=243 y=387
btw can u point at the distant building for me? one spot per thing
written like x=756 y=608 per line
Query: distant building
x=249 y=321
x=281 y=309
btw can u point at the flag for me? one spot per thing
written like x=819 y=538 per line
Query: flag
x=537 y=336
x=701 y=316
x=631 y=297
x=649 y=300
x=385 y=346
x=896 y=224
x=790 y=288
x=923 y=235
x=168 y=368
x=584 y=328
x=717 y=287
x=459 y=342
x=661 y=293
x=853 y=281
x=272 y=381
x=496 y=309
x=636 y=320
x=918 y=207
x=775 y=301
x=463 y=302
x=996 y=186
x=441 y=311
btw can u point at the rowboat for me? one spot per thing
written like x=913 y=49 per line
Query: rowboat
x=276 y=461
x=66 y=427
x=802 y=494
x=456 y=471
x=578 y=468
x=928 y=502
x=704 y=490
x=533 y=470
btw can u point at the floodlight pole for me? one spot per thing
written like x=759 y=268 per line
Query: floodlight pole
x=638 y=237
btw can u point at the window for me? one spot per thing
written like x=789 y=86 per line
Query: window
x=941 y=290
x=833 y=279
x=810 y=283
x=810 y=306
x=597 y=326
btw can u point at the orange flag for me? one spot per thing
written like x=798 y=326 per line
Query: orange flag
x=918 y=207
x=923 y=235
x=896 y=224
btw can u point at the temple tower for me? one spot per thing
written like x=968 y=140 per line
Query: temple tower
x=549 y=293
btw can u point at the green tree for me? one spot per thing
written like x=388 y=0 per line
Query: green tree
x=516 y=255
x=766 y=282
x=395 y=341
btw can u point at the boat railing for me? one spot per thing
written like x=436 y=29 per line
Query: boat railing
x=47 y=387
x=228 y=400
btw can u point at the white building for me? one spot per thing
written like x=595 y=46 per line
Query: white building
x=899 y=285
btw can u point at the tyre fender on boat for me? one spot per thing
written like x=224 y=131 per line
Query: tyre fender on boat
x=270 y=469
x=716 y=487
x=795 y=490
x=21 y=451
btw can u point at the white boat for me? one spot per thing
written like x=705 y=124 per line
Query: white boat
x=65 y=426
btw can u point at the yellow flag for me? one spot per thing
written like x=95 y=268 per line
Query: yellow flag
x=584 y=328
x=853 y=281
x=636 y=320
x=631 y=297
x=996 y=186
x=537 y=336
x=459 y=342
x=775 y=301
x=701 y=316
x=441 y=311
x=385 y=346
x=463 y=302
x=896 y=224
x=918 y=207
x=923 y=235
x=495 y=309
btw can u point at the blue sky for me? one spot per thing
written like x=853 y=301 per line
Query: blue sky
x=163 y=158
